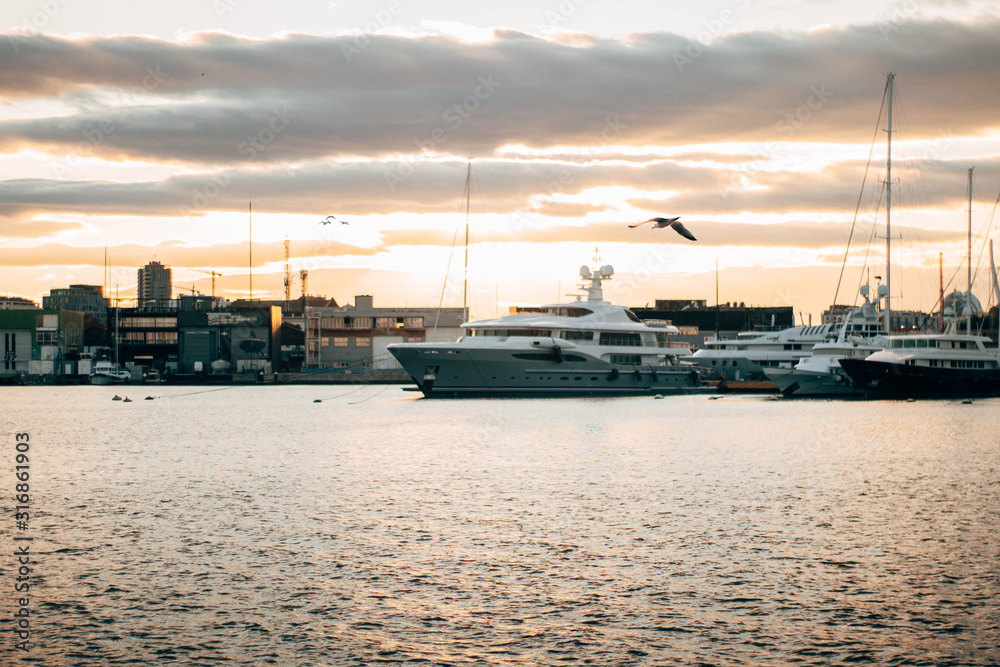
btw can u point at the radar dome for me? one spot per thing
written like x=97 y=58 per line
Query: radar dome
x=607 y=271
x=584 y=271
x=883 y=290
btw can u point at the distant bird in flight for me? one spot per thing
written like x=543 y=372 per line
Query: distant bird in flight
x=330 y=218
x=668 y=222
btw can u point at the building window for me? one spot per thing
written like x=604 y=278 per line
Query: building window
x=385 y=322
x=158 y=337
x=413 y=322
x=340 y=342
x=313 y=346
x=333 y=323
x=326 y=341
x=47 y=337
x=414 y=339
x=362 y=323
x=362 y=342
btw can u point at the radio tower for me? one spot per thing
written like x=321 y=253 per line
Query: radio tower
x=288 y=274
x=304 y=277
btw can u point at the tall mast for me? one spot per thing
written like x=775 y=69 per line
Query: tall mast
x=968 y=294
x=940 y=292
x=251 y=248
x=888 y=209
x=465 y=284
x=717 y=296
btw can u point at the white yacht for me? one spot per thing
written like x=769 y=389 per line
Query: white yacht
x=948 y=365
x=820 y=374
x=747 y=357
x=582 y=348
x=107 y=372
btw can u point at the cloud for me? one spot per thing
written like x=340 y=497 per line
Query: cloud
x=528 y=191
x=174 y=253
x=218 y=99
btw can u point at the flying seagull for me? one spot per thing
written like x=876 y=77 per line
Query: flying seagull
x=330 y=218
x=669 y=222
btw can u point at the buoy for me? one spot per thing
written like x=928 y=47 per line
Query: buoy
x=116 y=398
x=658 y=396
x=127 y=400
x=149 y=398
x=317 y=401
x=967 y=401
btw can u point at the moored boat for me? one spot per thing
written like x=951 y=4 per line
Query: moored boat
x=107 y=372
x=582 y=348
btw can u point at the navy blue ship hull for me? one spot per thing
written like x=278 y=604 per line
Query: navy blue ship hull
x=884 y=380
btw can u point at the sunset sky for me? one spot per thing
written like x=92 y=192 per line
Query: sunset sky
x=148 y=128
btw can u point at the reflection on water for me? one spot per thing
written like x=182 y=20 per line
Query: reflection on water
x=253 y=526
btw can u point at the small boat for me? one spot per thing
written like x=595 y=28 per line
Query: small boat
x=820 y=374
x=153 y=376
x=220 y=366
x=106 y=372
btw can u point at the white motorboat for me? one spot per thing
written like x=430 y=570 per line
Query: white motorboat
x=821 y=374
x=107 y=372
x=749 y=356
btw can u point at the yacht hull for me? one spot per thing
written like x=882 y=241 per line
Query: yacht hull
x=457 y=373
x=880 y=379
x=795 y=383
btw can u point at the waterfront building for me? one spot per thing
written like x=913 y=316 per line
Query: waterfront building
x=86 y=299
x=189 y=334
x=355 y=337
x=39 y=342
x=16 y=303
x=154 y=282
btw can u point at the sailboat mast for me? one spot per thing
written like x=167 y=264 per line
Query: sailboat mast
x=465 y=282
x=940 y=292
x=968 y=294
x=251 y=249
x=888 y=210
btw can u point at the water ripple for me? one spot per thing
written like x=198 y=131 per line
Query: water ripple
x=254 y=527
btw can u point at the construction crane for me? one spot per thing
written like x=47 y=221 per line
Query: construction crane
x=304 y=277
x=288 y=273
x=187 y=289
x=214 y=273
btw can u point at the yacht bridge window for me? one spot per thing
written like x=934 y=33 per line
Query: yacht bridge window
x=509 y=333
x=572 y=334
x=618 y=338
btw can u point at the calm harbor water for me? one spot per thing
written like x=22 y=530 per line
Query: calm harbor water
x=252 y=526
